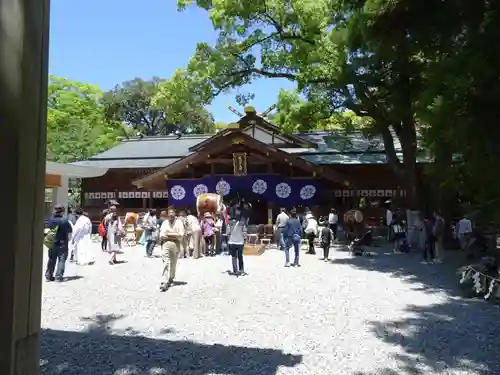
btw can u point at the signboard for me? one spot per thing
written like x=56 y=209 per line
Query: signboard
x=127 y=195
x=240 y=163
x=347 y=193
x=100 y=195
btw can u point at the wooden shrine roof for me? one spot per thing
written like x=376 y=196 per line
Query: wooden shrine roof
x=239 y=137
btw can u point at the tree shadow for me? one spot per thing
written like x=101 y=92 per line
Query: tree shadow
x=106 y=351
x=456 y=336
x=433 y=278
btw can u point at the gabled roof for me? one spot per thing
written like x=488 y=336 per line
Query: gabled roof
x=69 y=170
x=262 y=130
x=340 y=142
x=321 y=147
x=148 y=152
x=237 y=136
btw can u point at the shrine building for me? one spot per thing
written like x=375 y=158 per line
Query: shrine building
x=251 y=159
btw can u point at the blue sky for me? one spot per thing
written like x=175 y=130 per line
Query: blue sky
x=106 y=42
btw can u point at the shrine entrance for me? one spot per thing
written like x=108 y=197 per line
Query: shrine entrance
x=236 y=164
x=258 y=205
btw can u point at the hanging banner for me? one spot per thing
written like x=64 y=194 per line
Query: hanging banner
x=271 y=188
x=100 y=195
x=348 y=193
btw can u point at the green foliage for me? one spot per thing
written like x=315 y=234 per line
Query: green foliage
x=76 y=126
x=183 y=101
x=141 y=105
x=460 y=103
x=295 y=114
x=343 y=55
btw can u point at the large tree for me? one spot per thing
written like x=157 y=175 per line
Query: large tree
x=133 y=104
x=459 y=102
x=76 y=126
x=355 y=55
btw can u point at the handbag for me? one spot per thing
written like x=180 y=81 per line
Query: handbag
x=101 y=230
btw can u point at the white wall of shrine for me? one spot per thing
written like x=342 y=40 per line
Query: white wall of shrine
x=60 y=195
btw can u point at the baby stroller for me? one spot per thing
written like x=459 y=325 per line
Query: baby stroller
x=356 y=247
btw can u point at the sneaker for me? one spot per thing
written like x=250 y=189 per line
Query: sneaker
x=326 y=259
x=287 y=264
x=437 y=261
x=424 y=262
x=59 y=279
x=50 y=279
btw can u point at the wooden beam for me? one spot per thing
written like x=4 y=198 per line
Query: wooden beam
x=240 y=138
x=52 y=180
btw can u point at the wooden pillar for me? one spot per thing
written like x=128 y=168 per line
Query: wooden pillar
x=269 y=213
x=24 y=32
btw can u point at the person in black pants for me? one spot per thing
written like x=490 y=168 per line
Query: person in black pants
x=325 y=238
x=58 y=254
x=236 y=232
x=104 y=242
x=333 y=219
x=429 y=241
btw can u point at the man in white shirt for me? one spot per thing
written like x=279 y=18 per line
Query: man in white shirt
x=193 y=234
x=333 y=220
x=171 y=233
x=464 y=230
x=281 y=220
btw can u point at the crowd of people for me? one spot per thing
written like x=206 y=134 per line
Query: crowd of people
x=71 y=237
x=291 y=228
x=183 y=235
x=179 y=235
x=431 y=232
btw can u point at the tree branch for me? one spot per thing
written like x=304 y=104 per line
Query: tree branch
x=390 y=151
x=284 y=35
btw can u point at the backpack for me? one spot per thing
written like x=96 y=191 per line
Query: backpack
x=50 y=238
x=101 y=229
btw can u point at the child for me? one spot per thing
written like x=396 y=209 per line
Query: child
x=325 y=238
x=208 y=232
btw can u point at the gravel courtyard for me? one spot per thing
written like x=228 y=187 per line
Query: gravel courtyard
x=385 y=315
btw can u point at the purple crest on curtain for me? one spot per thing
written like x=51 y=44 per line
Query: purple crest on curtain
x=272 y=188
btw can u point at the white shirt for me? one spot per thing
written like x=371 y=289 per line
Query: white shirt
x=464 y=226
x=333 y=218
x=281 y=220
x=193 y=223
x=388 y=216
x=312 y=225
x=176 y=227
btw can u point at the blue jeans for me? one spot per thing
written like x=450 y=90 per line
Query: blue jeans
x=58 y=255
x=295 y=242
x=150 y=245
x=281 y=239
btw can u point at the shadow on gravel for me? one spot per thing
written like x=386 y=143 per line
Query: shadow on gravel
x=407 y=267
x=455 y=337
x=105 y=351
